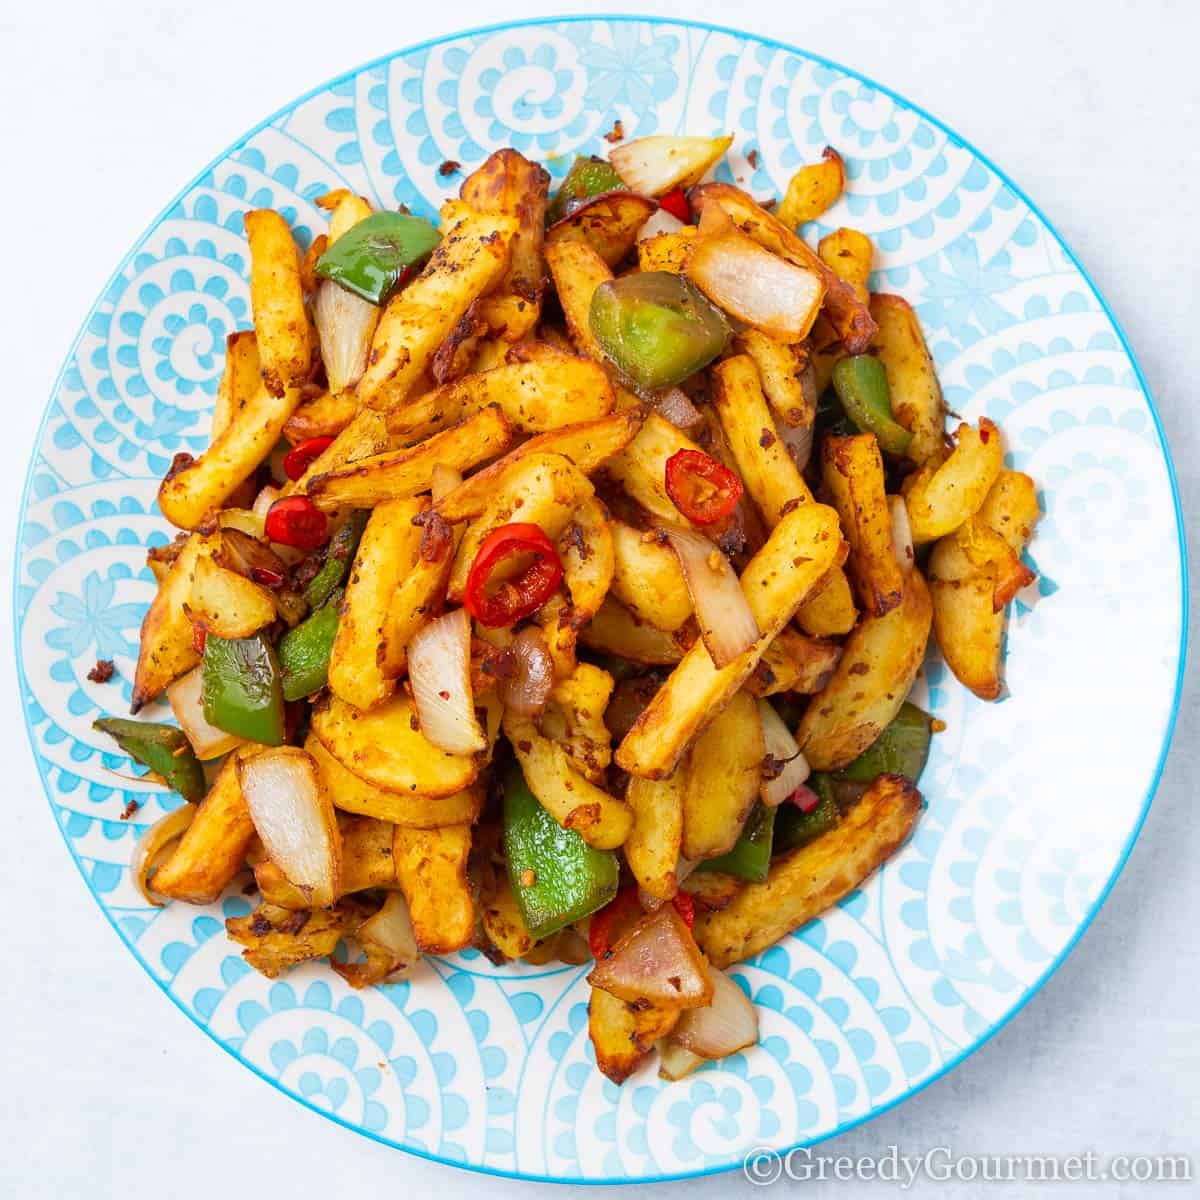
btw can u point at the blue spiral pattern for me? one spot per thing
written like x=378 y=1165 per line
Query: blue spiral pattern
x=1029 y=811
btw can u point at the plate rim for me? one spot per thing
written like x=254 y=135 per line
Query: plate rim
x=1168 y=729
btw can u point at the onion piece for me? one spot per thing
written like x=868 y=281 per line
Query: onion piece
x=661 y=222
x=345 y=325
x=572 y=948
x=657 y=960
x=262 y=505
x=902 y=541
x=439 y=671
x=676 y=1061
x=675 y=407
x=654 y=165
x=749 y=282
x=526 y=690
x=391 y=929
x=152 y=843
x=248 y=521
x=187 y=703
x=799 y=441
x=722 y=611
x=782 y=747
x=293 y=815
x=724 y=1027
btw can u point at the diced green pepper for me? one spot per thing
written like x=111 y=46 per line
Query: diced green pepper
x=861 y=384
x=794 y=828
x=587 y=177
x=750 y=858
x=556 y=876
x=304 y=651
x=658 y=328
x=242 y=690
x=370 y=258
x=162 y=748
x=901 y=749
x=338 y=557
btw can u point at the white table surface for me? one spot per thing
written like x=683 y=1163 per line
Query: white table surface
x=107 y=108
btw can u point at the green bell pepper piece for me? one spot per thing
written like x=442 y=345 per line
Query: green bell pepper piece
x=750 y=858
x=370 y=258
x=570 y=879
x=242 y=689
x=587 y=177
x=861 y=384
x=304 y=651
x=901 y=749
x=162 y=748
x=657 y=328
x=338 y=557
x=794 y=828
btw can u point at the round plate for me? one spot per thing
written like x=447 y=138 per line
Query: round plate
x=1033 y=803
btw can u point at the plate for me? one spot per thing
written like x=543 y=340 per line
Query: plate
x=1033 y=803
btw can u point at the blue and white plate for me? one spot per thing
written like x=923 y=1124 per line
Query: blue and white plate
x=1033 y=803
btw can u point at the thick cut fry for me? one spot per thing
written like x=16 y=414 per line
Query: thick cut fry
x=187 y=494
x=848 y=254
x=366 y=862
x=510 y=184
x=241 y=378
x=767 y=469
x=165 y=650
x=397 y=474
x=574 y=802
x=541 y=489
x=667 y=251
x=471 y=257
x=825 y=352
x=586 y=550
x=852 y=469
x=345 y=211
x=574 y=718
x=285 y=338
x=354 y=795
x=589 y=445
x=386 y=748
x=761 y=288
x=721 y=779
x=641 y=467
x=325 y=415
x=213 y=847
x=577 y=271
x=227 y=604
x=805 y=882
x=794 y=663
x=711 y=890
x=624 y=1034
x=830 y=611
x=812 y=190
x=647 y=578
x=940 y=499
x=779 y=369
x=365 y=435
x=277 y=939
x=502 y=920
x=970 y=584
x=419 y=596
x=608 y=223
x=431 y=868
x=390 y=549
x=615 y=630
x=534 y=396
x=876 y=671
x=847 y=313
x=652 y=848
x=913 y=384
x=798 y=554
